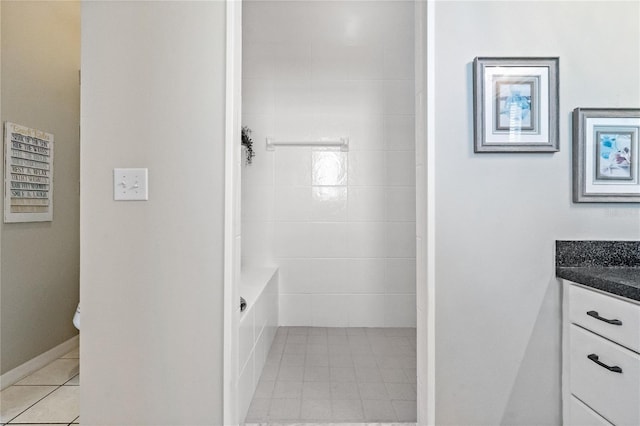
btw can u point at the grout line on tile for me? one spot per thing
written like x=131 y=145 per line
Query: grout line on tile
x=23 y=411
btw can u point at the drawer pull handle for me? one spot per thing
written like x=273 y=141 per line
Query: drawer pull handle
x=595 y=358
x=608 y=321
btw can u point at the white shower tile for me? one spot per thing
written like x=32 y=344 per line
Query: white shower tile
x=367 y=168
x=258 y=60
x=257 y=203
x=401 y=204
x=366 y=62
x=294 y=126
x=401 y=239
x=348 y=23
x=327 y=70
x=398 y=61
x=292 y=203
x=246 y=338
x=400 y=276
x=257 y=243
x=328 y=168
x=330 y=61
x=246 y=387
x=399 y=132
x=333 y=126
x=296 y=275
x=293 y=97
x=371 y=97
x=337 y=97
x=261 y=170
x=292 y=60
x=330 y=310
x=398 y=97
x=258 y=96
x=329 y=204
x=327 y=240
x=367 y=239
x=366 y=132
x=366 y=276
x=367 y=204
x=291 y=239
x=292 y=166
x=400 y=311
x=295 y=309
x=265 y=22
x=365 y=310
x=330 y=275
x=401 y=168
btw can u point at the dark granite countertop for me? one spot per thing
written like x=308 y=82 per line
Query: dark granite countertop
x=616 y=280
x=609 y=266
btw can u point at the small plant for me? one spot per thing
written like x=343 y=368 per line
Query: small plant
x=247 y=142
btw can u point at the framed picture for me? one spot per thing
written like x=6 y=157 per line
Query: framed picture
x=605 y=155
x=515 y=104
x=28 y=177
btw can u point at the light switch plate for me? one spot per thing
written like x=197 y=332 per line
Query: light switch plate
x=130 y=184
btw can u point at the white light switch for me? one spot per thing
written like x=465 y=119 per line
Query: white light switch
x=130 y=184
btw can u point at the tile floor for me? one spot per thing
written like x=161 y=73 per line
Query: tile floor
x=50 y=395
x=336 y=375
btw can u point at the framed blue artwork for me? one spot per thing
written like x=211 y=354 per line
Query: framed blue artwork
x=515 y=104
x=605 y=155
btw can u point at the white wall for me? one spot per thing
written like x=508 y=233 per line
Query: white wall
x=40 y=260
x=498 y=215
x=340 y=225
x=153 y=95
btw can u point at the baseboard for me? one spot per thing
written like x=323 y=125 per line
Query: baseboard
x=21 y=371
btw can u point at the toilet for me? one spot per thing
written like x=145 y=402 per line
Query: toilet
x=76 y=318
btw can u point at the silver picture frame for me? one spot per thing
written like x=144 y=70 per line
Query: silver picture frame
x=606 y=154
x=515 y=104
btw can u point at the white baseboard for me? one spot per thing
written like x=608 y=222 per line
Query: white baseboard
x=22 y=371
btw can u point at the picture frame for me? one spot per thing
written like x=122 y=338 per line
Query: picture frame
x=28 y=174
x=515 y=104
x=606 y=154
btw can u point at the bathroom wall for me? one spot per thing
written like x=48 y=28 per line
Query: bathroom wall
x=340 y=225
x=153 y=95
x=497 y=215
x=40 y=261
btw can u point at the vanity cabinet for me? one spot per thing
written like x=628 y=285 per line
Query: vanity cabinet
x=601 y=358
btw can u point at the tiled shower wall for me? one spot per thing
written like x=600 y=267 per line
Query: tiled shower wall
x=340 y=225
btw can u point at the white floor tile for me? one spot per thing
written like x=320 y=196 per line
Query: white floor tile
x=15 y=399
x=340 y=382
x=405 y=410
x=401 y=391
x=289 y=390
x=62 y=405
x=380 y=411
x=285 y=409
x=346 y=410
x=315 y=409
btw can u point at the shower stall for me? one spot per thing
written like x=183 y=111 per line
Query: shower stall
x=328 y=211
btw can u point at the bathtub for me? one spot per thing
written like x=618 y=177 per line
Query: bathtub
x=257 y=329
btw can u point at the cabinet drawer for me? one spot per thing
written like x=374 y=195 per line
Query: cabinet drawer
x=614 y=395
x=607 y=316
x=581 y=415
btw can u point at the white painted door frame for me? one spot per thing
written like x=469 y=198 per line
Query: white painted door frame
x=424 y=112
x=232 y=200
